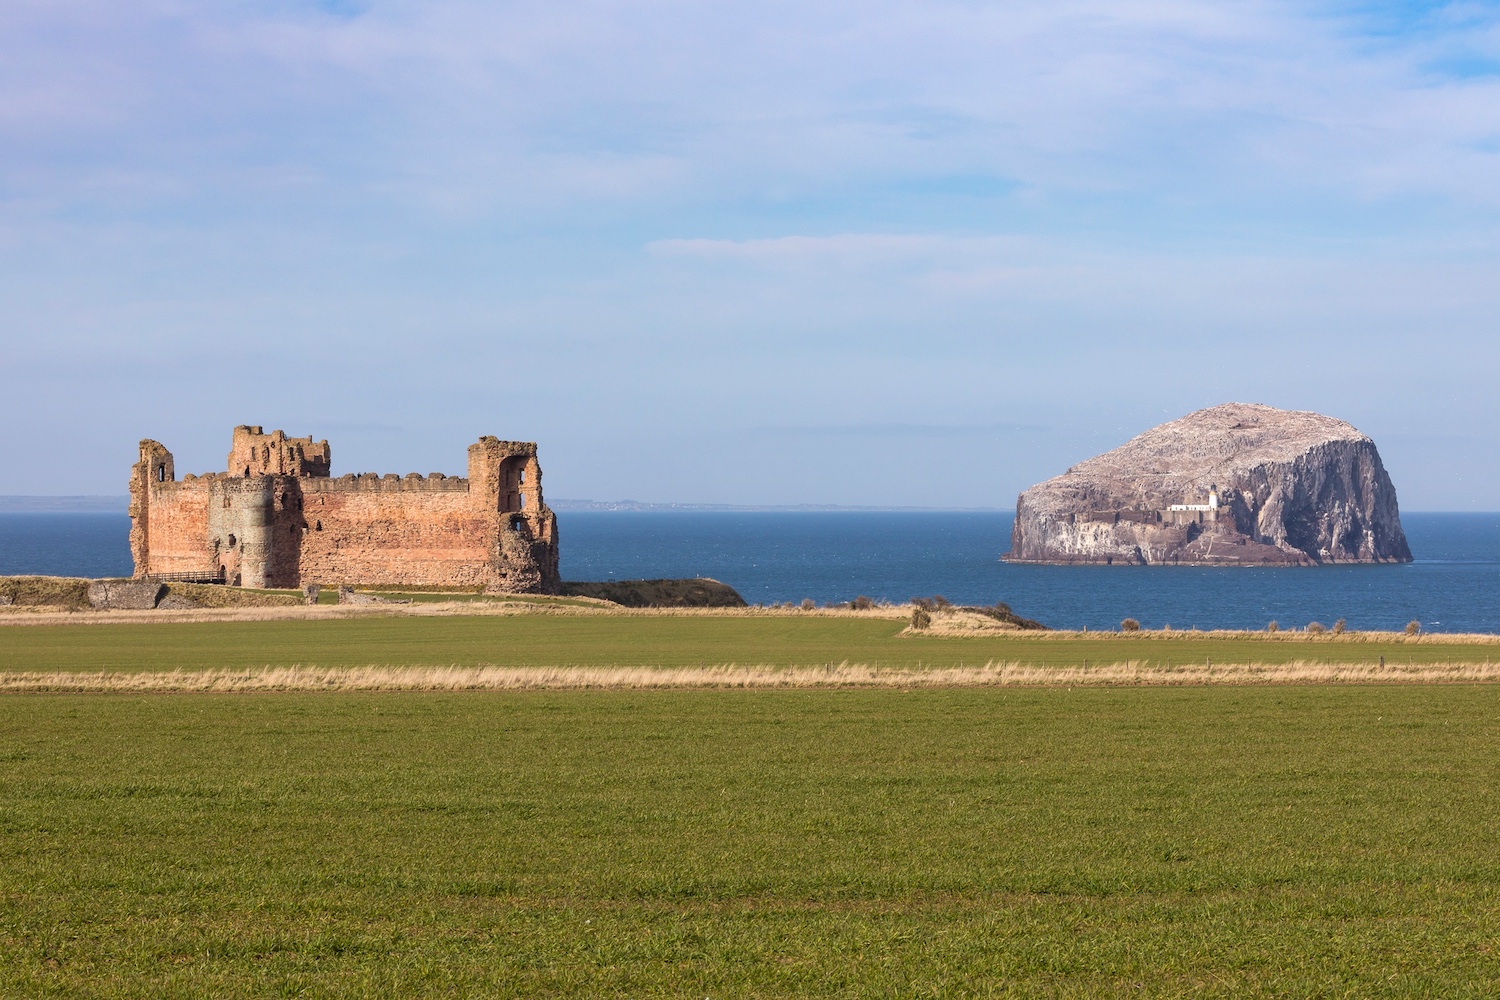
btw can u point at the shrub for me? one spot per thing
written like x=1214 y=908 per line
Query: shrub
x=694 y=593
x=1340 y=627
x=920 y=617
x=939 y=601
x=1273 y=627
x=1130 y=625
x=922 y=602
x=1001 y=612
x=1316 y=628
x=862 y=603
x=1413 y=627
x=807 y=604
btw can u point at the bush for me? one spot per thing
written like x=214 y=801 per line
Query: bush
x=1001 y=612
x=1413 y=627
x=940 y=602
x=920 y=617
x=922 y=602
x=695 y=593
x=808 y=604
x=862 y=603
x=1340 y=627
x=1130 y=625
x=1273 y=627
x=1316 y=628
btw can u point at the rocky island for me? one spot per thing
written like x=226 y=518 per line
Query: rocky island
x=1238 y=484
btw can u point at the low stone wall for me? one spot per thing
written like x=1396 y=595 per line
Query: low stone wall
x=125 y=595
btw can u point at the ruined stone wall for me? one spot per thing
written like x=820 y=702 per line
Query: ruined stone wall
x=371 y=530
x=178 y=528
x=252 y=453
x=168 y=518
x=259 y=529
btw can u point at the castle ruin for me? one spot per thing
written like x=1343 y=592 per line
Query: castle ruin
x=278 y=519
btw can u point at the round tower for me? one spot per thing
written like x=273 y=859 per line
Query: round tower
x=255 y=531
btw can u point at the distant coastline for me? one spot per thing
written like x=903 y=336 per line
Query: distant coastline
x=65 y=505
x=576 y=506
x=120 y=504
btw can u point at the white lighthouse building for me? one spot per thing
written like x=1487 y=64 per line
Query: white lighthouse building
x=1211 y=508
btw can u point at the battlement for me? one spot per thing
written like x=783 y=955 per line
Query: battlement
x=388 y=483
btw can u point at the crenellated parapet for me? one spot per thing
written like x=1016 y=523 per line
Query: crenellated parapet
x=388 y=483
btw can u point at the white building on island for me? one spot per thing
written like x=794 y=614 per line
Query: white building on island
x=1211 y=506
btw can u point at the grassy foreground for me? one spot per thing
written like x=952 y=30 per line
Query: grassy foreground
x=656 y=641
x=1164 y=842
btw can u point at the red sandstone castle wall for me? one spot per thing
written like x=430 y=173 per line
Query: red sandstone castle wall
x=267 y=527
x=434 y=538
x=177 y=526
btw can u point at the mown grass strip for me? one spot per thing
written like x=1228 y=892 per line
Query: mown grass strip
x=1215 y=841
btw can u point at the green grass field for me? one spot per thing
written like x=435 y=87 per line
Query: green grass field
x=1307 y=841
x=589 y=640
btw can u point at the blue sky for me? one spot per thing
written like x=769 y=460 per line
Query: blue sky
x=821 y=252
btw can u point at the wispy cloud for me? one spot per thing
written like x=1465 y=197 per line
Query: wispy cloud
x=843 y=246
x=499 y=105
x=861 y=214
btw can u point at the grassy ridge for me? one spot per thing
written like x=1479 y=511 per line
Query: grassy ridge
x=1219 y=842
x=551 y=640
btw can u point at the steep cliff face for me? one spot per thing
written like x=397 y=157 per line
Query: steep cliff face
x=1257 y=486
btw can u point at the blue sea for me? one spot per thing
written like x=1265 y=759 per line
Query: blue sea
x=1453 y=586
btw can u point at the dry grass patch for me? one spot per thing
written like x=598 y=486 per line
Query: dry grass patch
x=210 y=595
x=48 y=593
x=843 y=675
x=960 y=621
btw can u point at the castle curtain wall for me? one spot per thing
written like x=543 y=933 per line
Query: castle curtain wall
x=394 y=531
x=178 y=527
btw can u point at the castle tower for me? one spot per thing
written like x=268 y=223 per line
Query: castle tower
x=257 y=546
x=252 y=453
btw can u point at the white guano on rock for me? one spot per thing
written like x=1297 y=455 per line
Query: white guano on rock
x=1239 y=484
